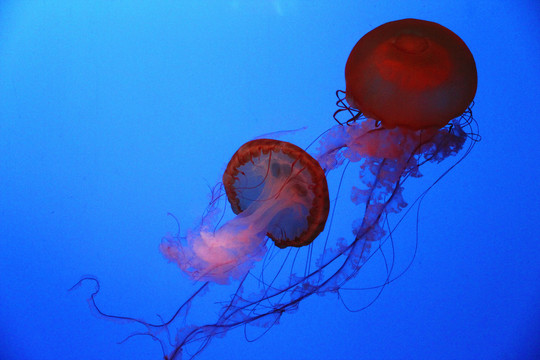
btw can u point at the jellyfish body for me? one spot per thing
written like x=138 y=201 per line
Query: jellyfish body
x=411 y=73
x=409 y=78
x=277 y=190
x=263 y=170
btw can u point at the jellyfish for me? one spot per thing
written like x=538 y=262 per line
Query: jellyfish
x=409 y=89
x=410 y=83
x=277 y=190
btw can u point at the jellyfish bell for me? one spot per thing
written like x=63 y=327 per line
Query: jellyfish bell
x=277 y=190
x=411 y=73
x=282 y=183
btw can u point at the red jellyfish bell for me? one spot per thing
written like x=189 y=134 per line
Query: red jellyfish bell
x=284 y=184
x=411 y=73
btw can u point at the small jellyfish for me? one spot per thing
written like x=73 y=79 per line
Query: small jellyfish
x=277 y=190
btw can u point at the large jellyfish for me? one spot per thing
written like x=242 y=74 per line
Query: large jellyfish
x=409 y=85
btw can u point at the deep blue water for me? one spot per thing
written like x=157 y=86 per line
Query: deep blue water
x=114 y=113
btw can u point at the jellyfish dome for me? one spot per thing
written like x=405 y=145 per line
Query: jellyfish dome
x=411 y=73
x=283 y=182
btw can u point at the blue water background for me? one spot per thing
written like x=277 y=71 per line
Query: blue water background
x=113 y=113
